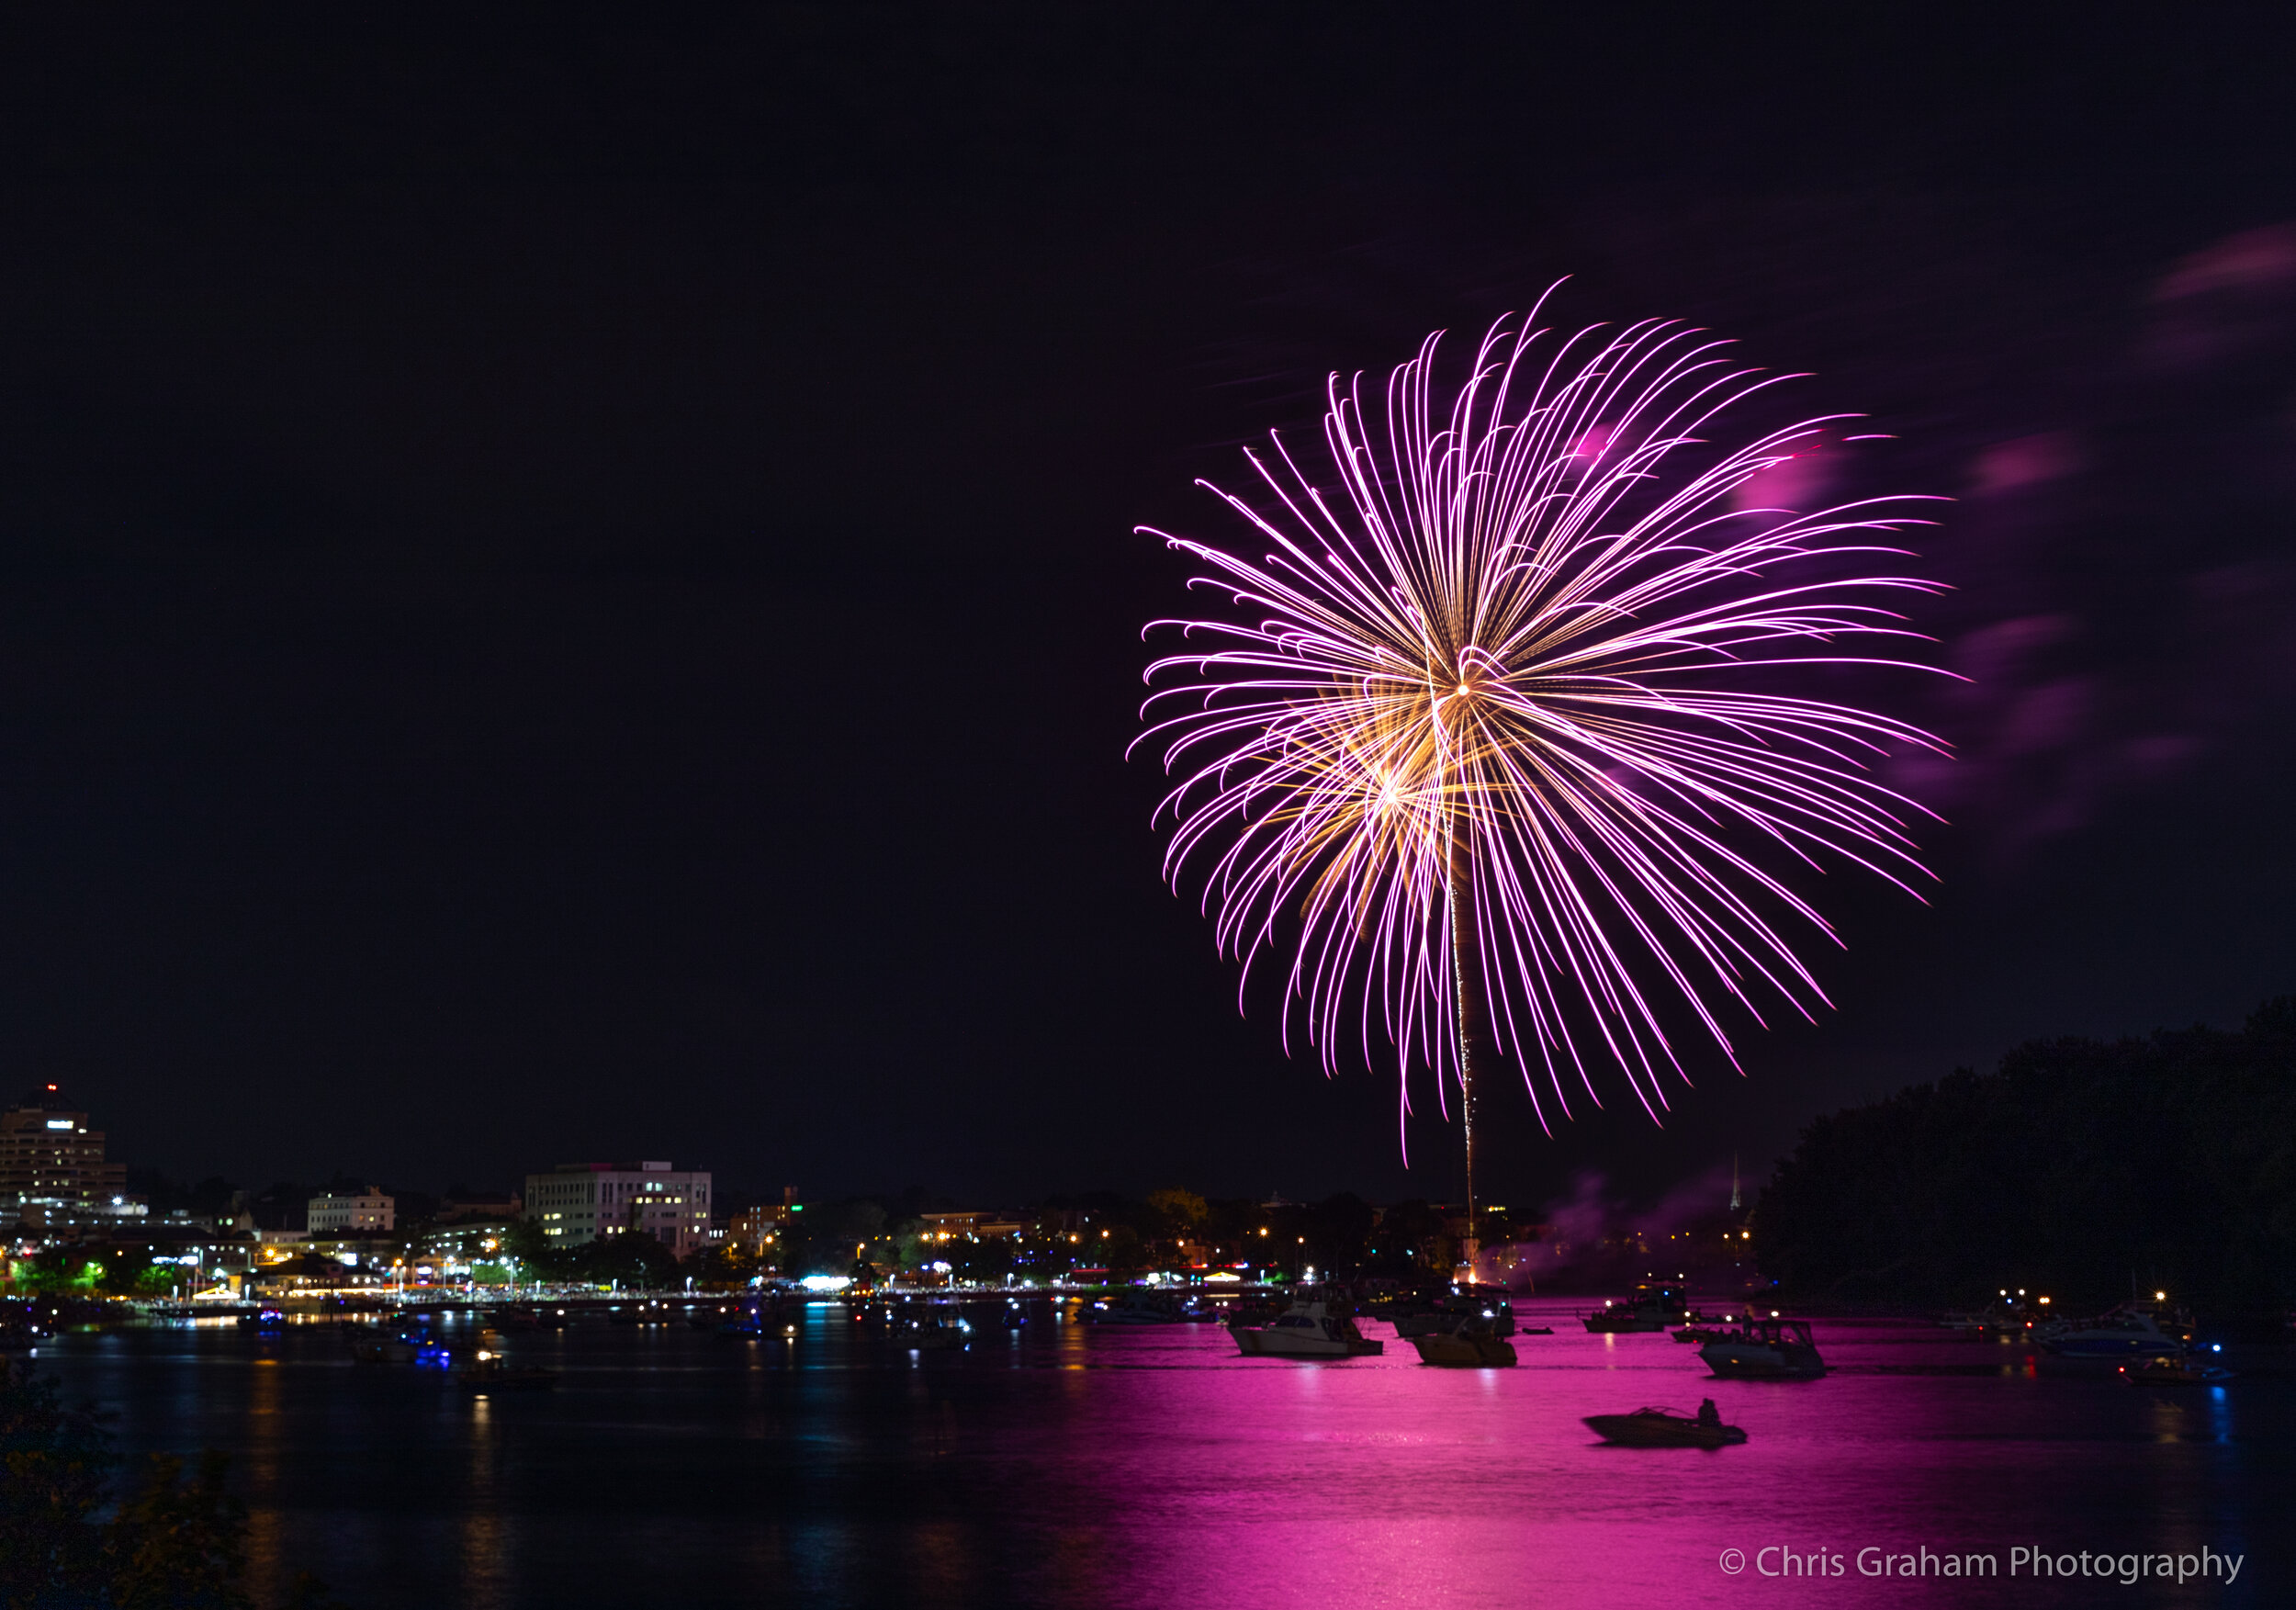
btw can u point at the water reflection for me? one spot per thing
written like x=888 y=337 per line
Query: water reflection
x=1066 y=1463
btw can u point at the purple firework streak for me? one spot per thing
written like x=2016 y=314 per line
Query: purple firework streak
x=1480 y=719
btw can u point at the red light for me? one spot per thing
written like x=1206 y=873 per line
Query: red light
x=51 y=1086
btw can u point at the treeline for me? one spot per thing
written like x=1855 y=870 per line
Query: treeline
x=2084 y=1169
x=1340 y=1236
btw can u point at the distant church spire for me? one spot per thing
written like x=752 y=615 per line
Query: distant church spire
x=1734 y=1202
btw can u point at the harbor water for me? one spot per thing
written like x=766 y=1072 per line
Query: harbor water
x=1074 y=1464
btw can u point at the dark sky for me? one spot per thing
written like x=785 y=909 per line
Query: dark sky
x=572 y=594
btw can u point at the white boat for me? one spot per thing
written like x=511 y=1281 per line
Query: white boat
x=2126 y=1332
x=1766 y=1349
x=1306 y=1330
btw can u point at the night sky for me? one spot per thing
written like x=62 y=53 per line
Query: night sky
x=572 y=595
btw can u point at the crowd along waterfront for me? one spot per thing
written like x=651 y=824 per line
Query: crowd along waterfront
x=1038 y=1457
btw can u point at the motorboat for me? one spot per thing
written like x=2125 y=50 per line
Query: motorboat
x=2128 y=1331
x=404 y=1346
x=1701 y=1328
x=1651 y=1308
x=2173 y=1369
x=1141 y=1308
x=1766 y=1349
x=1620 y=1319
x=488 y=1368
x=2002 y=1316
x=931 y=1330
x=1665 y=1428
x=1309 y=1328
x=1482 y=1305
x=20 y=1332
x=1472 y=1345
x=748 y=1319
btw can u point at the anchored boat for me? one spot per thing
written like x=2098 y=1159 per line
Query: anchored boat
x=2128 y=1331
x=1651 y=1308
x=1483 y=1304
x=2173 y=1369
x=1309 y=1328
x=1472 y=1345
x=1766 y=1349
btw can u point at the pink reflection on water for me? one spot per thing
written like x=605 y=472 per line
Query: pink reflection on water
x=1382 y=1482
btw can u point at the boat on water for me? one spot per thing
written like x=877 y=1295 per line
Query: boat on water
x=1471 y=1345
x=404 y=1346
x=1141 y=1308
x=1650 y=1307
x=2128 y=1331
x=931 y=1330
x=756 y=1318
x=20 y=1332
x=1666 y=1428
x=1308 y=1329
x=488 y=1368
x=2003 y=1316
x=2173 y=1369
x=1466 y=1304
x=1766 y=1349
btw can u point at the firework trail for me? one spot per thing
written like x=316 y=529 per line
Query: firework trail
x=1479 y=721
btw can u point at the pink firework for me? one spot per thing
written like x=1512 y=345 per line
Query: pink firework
x=1476 y=751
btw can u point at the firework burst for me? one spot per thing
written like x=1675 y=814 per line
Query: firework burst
x=1488 y=748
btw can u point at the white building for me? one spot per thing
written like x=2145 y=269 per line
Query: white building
x=579 y=1202
x=340 y=1215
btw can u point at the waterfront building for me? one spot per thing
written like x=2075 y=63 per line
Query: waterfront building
x=576 y=1203
x=464 y=1207
x=971 y=1225
x=333 y=1215
x=52 y=1172
x=757 y=1229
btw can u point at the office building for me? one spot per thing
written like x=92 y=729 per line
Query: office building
x=53 y=1171
x=334 y=1216
x=580 y=1202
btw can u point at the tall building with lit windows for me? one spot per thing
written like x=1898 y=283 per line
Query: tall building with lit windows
x=580 y=1202
x=52 y=1163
